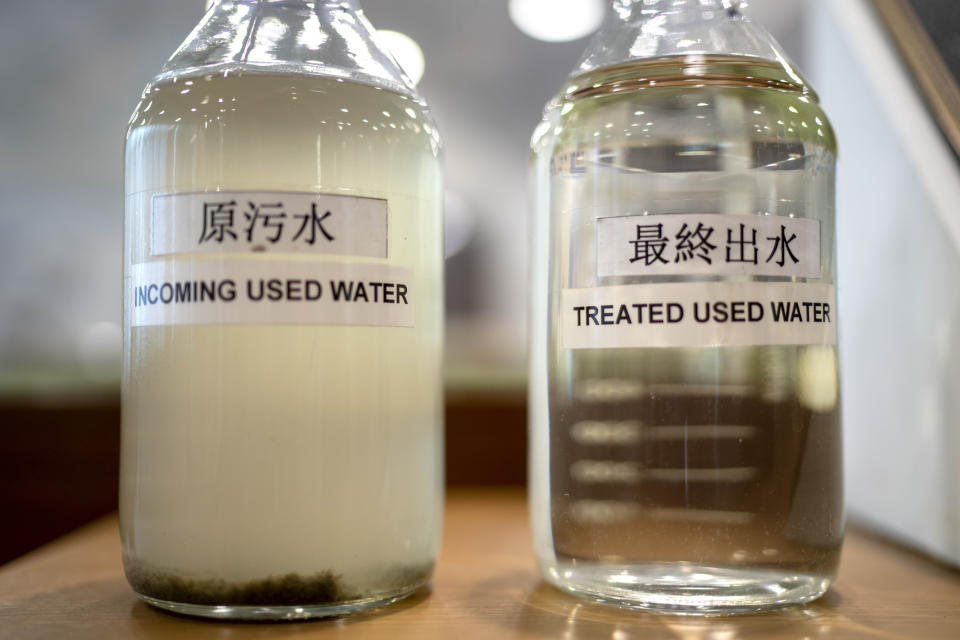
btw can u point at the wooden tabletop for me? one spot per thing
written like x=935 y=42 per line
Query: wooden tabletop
x=486 y=586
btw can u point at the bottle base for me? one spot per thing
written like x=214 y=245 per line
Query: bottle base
x=683 y=588
x=276 y=612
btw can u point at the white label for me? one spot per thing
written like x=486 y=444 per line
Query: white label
x=687 y=244
x=699 y=314
x=181 y=292
x=268 y=221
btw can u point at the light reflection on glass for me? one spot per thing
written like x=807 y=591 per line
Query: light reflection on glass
x=312 y=36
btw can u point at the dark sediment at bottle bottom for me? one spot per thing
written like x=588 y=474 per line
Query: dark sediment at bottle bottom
x=292 y=589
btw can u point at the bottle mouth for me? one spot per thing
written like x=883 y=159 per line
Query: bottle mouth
x=347 y=3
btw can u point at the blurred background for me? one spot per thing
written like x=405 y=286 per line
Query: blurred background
x=72 y=72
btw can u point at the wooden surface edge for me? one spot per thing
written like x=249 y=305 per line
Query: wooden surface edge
x=486 y=586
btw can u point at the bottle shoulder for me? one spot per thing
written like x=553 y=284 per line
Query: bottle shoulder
x=218 y=103
x=687 y=102
x=294 y=37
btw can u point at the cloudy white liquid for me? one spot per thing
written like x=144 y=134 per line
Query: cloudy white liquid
x=259 y=450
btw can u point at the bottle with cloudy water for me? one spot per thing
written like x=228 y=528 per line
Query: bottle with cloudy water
x=282 y=400
x=684 y=401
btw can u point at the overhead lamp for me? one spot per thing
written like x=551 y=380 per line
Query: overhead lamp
x=556 y=20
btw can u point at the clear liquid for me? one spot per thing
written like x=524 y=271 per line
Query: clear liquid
x=687 y=479
x=264 y=460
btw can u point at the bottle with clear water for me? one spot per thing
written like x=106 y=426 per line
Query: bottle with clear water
x=684 y=401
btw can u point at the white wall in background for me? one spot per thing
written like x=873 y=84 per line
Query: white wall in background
x=899 y=283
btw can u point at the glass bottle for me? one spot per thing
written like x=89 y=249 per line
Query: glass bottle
x=282 y=395
x=684 y=402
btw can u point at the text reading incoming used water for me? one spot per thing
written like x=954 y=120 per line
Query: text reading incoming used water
x=269 y=292
x=699 y=314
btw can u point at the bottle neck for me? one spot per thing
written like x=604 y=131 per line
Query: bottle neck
x=636 y=10
x=290 y=4
x=314 y=37
x=636 y=30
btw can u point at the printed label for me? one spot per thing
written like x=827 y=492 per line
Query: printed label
x=268 y=221
x=183 y=292
x=688 y=244
x=699 y=314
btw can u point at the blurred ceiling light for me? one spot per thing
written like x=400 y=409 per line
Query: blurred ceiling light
x=557 y=20
x=405 y=51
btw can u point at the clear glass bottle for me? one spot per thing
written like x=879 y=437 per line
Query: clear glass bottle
x=684 y=402
x=282 y=395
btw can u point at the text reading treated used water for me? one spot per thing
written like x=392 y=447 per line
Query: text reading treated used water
x=699 y=314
